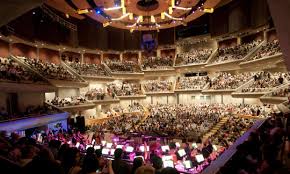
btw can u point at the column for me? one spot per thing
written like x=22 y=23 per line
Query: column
x=121 y=57
x=10 y=49
x=37 y=53
x=280 y=13
x=265 y=35
x=222 y=99
x=140 y=57
x=239 y=40
x=158 y=52
x=82 y=58
x=102 y=57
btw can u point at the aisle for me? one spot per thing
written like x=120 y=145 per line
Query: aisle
x=216 y=127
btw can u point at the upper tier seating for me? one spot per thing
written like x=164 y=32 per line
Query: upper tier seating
x=270 y=49
x=12 y=71
x=193 y=57
x=228 y=81
x=158 y=86
x=124 y=89
x=235 y=52
x=30 y=111
x=157 y=62
x=125 y=66
x=192 y=82
x=68 y=101
x=264 y=81
x=89 y=69
x=50 y=70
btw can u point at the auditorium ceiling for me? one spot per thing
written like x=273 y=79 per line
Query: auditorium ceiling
x=136 y=14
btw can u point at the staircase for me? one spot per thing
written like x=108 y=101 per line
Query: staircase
x=216 y=128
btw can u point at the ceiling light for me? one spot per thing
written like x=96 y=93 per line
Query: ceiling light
x=171 y=17
x=153 y=19
x=120 y=18
x=208 y=10
x=67 y=15
x=106 y=24
x=124 y=10
x=83 y=11
x=170 y=10
x=112 y=8
x=131 y=16
x=162 y=15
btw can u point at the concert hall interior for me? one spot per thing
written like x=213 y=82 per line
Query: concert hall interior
x=144 y=87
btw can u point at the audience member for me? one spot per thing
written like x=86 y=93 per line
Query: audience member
x=194 y=56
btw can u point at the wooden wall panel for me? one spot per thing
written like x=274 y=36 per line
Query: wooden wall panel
x=48 y=55
x=4 y=48
x=19 y=49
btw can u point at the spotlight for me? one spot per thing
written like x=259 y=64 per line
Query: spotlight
x=33 y=13
x=98 y=11
x=67 y=15
x=208 y=10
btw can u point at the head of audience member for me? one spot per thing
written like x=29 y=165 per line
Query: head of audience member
x=118 y=154
x=138 y=162
x=157 y=164
x=169 y=170
x=145 y=170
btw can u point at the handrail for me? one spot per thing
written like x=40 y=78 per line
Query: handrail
x=215 y=166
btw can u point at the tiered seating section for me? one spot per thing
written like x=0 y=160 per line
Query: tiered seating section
x=235 y=52
x=12 y=71
x=124 y=89
x=193 y=57
x=89 y=69
x=264 y=81
x=125 y=66
x=98 y=94
x=228 y=81
x=191 y=83
x=30 y=111
x=68 y=101
x=157 y=63
x=270 y=49
x=158 y=86
x=50 y=70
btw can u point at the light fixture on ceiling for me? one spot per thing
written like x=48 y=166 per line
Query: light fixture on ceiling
x=153 y=19
x=120 y=18
x=112 y=8
x=106 y=24
x=171 y=17
x=162 y=15
x=131 y=16
x=208 y=10
x=170 y=10
x=83 y=11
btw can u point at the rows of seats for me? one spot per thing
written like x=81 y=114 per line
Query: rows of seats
x=12 y=71
x=193 y=57
x=50 y=70
x=89 y=69
x=124 y=89
x=269 y=49
x=158 y=86
x=157 y=62
x=124 y=66
x=237 y=52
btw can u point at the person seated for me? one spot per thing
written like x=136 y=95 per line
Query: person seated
x=119 y=166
